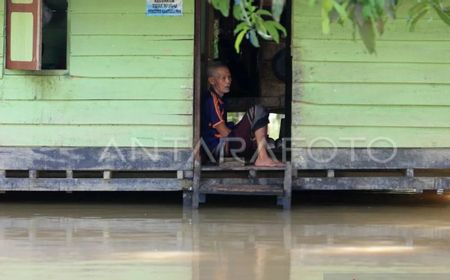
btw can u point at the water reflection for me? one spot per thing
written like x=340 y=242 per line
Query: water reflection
x=163 y=242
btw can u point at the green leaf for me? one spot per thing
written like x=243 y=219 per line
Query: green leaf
x=367 y=32
x=277 y=9
x=239 y=38
x=254 y=39
x=237 y=12
x=241 y=26
x=379 y=6
x=222 y=5
x=358 y=17
x=262 y=12
x=417 y=9
x=445 y=16
x=327 y=7
x=273 y=31
x=278 y=26
x=419 y=14
x=367 y=12
x=341 y=11
x=325 y=24
x=259 y=24
x=225 y=8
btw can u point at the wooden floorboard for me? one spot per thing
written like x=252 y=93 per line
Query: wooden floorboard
x=246 y=186
x=376 y=158
x=242 y=189
x=241 y=168
x=57 y=184
x=413 y=184
x=93 y=158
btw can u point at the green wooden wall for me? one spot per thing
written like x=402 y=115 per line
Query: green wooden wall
x=340 y=91
x=2 y=34
x=129 y=82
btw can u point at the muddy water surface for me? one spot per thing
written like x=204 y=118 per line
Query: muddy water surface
x=137 y=241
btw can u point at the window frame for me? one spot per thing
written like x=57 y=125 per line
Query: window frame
x=37 y=49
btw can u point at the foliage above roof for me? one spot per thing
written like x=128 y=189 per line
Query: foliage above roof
x=255 y=22
x=368 y=17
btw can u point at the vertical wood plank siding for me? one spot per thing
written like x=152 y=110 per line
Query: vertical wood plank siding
x=129 y=82
x=341 y=92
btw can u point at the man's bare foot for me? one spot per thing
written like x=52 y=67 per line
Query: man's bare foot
x=268 y=163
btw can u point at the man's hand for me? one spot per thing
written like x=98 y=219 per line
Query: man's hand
x=223 y=130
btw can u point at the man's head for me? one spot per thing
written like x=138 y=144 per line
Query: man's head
x=219 y=78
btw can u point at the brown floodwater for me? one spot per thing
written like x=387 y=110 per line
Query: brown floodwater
x=333 y=240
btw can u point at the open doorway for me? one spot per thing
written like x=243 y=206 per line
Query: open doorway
x=260 y=75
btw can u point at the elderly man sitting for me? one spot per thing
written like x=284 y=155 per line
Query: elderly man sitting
x=246 y=137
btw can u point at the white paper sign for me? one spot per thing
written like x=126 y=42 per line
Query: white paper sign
x=164 y=7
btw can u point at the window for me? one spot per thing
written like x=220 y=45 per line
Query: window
x=36 y=37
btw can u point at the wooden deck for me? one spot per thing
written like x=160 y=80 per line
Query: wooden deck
x=94 y=169
x=125 y=169
x=400 y=170
x=244 y=180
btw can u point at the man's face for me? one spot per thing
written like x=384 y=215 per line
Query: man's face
x=221 y=81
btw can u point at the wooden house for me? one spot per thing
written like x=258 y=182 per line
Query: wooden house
x=96 y=95
x=371 y=121
x=99 y=88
